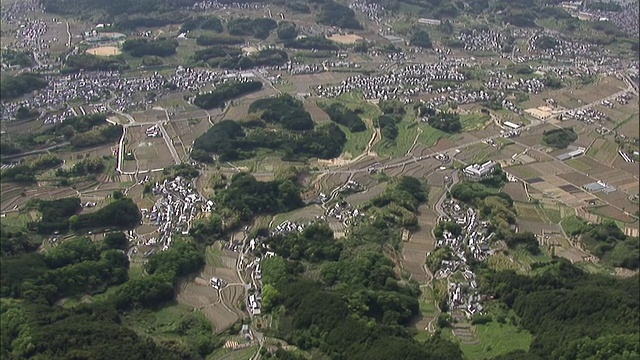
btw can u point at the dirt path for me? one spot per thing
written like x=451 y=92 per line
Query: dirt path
x=415 y=142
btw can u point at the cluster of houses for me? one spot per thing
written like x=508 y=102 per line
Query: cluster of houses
x=344 y=212
x=472 y=241
x=588 y=115
x=175 y=210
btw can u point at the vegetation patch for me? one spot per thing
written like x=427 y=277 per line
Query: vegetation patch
x=559 y=138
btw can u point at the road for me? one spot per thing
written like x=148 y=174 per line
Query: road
x=168 y=140
x=68 y=36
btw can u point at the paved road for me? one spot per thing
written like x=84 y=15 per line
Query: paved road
x=168 y=140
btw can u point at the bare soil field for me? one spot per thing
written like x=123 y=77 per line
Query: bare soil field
x=523 y=172
x=318 y=115
x=149 y=153
x=345 y=39
x=305 y=214
x=516 y=191
x=631 y=168
x=613 y=213
x=537 y=227
x=631 y=128
x=603 y=88
x=572 y=254
x=104 y=51
x=619 y=199
x=362 y=197
x=414 y=251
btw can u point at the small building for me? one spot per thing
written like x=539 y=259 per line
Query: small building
x=480 y=171
x=511 y=125
x=429 y=21
x=571 y=154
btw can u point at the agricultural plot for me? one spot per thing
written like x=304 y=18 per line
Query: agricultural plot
x=219 y=306
x=420 y=243
x=318 y=115
x=523 y=172
x=603 y=150
x=477 y=153
x=149 y=153
x=516 y=191
x=408 y=134
x=528 y=212
x=610 y=212
x=497 y=339
x=365 y=196
x=473 y=122
x=630 y=127
x=594 y=92
x=189 y=130
x=306 y=214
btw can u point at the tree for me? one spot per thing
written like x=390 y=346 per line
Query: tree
x=421 y=38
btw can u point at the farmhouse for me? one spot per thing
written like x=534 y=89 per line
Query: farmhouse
x=480 y=171
x=216 y=283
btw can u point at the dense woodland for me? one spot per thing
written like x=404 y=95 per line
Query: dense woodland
x=312 y=43
x=156 y=47
x=358 y=303
x=16 y=58
x=12 y=87
x=340 y=114
x=293 y=136
x=225 y=92
x=559 y=138
x=572 y=314
x=88 y=62
x=607 y=242
x=334 y=14
x=258 y=28
x=285 y=111
x=448 y=122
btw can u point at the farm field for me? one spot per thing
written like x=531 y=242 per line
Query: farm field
x=219 y=306
x=496 y=339
x=149 y=153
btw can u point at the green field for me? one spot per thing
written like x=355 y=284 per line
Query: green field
x=553 y=214
x=578 y=165
x=529 y=212
x=15 y=220
x=472 y=122
x=175 y=323
x=407 y=132
x=571 y=224
x=497 y=339
x=356 y=141
x=430 y=136
x=213 y=255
